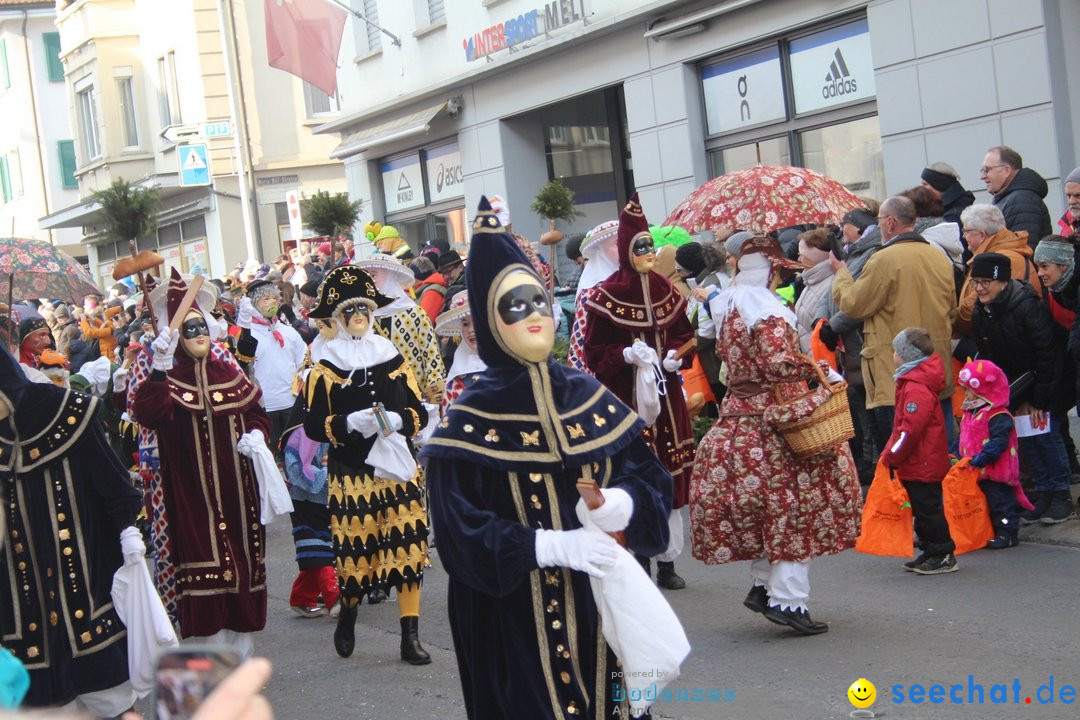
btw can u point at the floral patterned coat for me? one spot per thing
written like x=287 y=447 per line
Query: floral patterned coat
x=749 y=496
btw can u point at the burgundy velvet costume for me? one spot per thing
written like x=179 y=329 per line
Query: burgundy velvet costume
x=199 y=410
x=631 y=306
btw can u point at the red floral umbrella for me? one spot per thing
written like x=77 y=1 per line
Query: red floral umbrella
x=36 y=269
x=764 y=198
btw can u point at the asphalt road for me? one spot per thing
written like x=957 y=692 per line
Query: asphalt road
x=1005 y=616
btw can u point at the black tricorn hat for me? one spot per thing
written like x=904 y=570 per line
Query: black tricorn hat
x=346 y=282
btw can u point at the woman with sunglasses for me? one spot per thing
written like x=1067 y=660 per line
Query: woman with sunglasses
x=361 y=397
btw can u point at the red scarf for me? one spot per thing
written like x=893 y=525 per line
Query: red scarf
x=259 y=320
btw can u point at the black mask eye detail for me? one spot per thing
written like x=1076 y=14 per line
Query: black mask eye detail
x=195 y=327
x=642 y=246
x=522 y=301
x=348 y=313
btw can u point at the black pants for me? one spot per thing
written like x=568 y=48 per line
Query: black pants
x=1004 y=512
x=881 y=419
x=864 y=449
x=278 y=420
x=928 y=507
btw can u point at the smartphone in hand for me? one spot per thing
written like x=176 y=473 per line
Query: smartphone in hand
x=185 y=675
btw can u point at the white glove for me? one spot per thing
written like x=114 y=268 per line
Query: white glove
x=364 y=422
x=580 y=549
x=614 y=514
x=244 y=312
x=640 y=354
x=672 y=363
x=249 y=441
x=164 y=346
x=132 y=546
x=120 y=379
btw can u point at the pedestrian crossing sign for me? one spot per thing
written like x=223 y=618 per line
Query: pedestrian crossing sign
x=194 y=165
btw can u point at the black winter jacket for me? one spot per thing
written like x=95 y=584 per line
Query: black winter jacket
x=1017 y=333
x=955 y=199
x=1021 y=202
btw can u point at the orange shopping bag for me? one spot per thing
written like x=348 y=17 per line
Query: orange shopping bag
x=818 y=349
x=694 y=381
x=886 y=520
x=966 y=508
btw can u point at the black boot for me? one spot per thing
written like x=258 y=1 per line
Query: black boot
x=1042 y=504
x=1060 y=508
x=645 y=563
x=345 y=632
x=667 y=578
x=411 y=651
x=376 y=596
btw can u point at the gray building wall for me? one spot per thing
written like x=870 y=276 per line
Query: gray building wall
x=956 y=78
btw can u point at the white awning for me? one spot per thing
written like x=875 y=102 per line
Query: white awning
x=416 y=123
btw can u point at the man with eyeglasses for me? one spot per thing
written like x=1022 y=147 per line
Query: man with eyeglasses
x=1018 y=192
x=907 y=283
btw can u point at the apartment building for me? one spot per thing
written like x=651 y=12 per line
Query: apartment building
x=148 y=87
x=36 y=143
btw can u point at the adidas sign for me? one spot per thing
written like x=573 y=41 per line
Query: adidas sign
x=838 y=81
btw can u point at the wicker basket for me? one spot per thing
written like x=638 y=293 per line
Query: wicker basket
x=827 y=426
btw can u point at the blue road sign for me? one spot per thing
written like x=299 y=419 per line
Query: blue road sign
x=194 y=165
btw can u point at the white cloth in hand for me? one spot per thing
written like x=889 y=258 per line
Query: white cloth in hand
x=641 y=355
x=249 y=442
x=139 y=607
x=390 y=458
x=164 y=346
x=589 y=552
x=363 y=422
x=614 y=514
x=672 y=363
x=834 y=377
x=274 y=499
x=120 y=379
x=132 y=546
x=245 y=310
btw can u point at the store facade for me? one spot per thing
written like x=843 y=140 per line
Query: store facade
x=661 y=97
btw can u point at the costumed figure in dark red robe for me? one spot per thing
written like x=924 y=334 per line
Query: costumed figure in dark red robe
x=502 y=468
x=201 y=406
x=66 y=500
x=636 y=324
x=363 y=400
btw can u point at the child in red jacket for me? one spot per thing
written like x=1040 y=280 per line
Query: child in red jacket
x=918 y=449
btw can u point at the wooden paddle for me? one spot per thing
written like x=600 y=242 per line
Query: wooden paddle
x=186 y=302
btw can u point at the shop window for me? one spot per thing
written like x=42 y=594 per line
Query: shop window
x=806 y=100
x=55 y=68
x=585 y=146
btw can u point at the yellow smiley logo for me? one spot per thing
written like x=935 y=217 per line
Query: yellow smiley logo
x=862 y=693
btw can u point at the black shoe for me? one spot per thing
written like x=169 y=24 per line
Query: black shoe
x=910 y=564
x=1060 y=510
x=376 y=596
x=937 y=565
x=667 y=578
x=798 y=620
x=645 y=563
x=1001 y=542
x=411 y=651
x=757 y=599
x=345 y=632
x=1042 y=504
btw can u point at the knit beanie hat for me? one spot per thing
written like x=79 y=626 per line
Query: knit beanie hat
x=689 y=257
x=1074 y=176
x=859 y=218
x=912 y=344
x=992 y=266
x=938 y=180
x=1059 y=252
x=734 y=244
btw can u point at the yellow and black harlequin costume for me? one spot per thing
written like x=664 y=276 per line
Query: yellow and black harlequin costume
x=503 y=463
x=379 y=526
x=66 y=497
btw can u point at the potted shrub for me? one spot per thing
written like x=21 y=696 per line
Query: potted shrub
x=330 y=215
x=130 y=212
x=554 y=202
